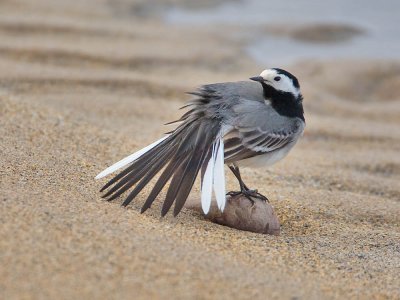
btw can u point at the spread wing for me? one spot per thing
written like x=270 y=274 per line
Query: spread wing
x=259 y=129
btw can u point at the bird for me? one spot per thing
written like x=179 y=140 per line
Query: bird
x=252 y=123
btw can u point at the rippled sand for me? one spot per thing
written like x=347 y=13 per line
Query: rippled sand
x=82 y=85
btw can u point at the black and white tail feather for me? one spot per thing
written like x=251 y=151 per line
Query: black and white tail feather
x=196 y=144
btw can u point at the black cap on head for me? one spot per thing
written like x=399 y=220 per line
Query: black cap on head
x=290 y=75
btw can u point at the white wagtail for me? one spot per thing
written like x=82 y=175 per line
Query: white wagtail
x=241 y=123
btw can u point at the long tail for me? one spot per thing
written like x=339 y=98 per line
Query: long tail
x=194 y=145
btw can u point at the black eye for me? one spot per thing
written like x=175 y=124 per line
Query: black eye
x=277 y=78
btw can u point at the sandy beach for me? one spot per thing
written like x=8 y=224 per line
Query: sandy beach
x=84 y=84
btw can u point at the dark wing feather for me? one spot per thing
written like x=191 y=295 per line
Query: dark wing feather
x=136 y=164
x=199 y=153
x=252 y=143
x=153 y=170
x=136 y=173
x=173 y=188
x=161 y=182
x=181 y=156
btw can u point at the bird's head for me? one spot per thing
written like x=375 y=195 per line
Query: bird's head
x=280 y=80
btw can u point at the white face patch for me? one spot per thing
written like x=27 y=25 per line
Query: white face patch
x=279 y=81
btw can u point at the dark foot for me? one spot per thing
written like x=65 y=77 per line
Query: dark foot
x=249 y=194
x=244 y=190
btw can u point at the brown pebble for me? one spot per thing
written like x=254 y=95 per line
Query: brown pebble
x=240 y=213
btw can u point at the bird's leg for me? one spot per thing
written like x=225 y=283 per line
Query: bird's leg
x=248 y=193
x=235 y=170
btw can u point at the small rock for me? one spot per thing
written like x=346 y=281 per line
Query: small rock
x=240 y=213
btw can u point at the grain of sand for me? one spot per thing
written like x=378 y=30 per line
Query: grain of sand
x=82 y=84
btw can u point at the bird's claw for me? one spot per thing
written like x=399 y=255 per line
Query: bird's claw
x=249 y=194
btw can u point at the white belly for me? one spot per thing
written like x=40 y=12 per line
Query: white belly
x=265 y=160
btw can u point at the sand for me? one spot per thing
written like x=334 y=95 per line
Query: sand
x=84 y=84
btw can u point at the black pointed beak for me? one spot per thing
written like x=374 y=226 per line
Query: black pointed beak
x=257 y=78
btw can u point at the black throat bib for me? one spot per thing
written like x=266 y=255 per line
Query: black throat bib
x=285 y=103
